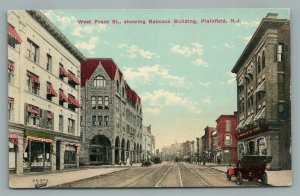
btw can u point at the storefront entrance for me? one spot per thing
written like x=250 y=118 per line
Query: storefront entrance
x=100 y=150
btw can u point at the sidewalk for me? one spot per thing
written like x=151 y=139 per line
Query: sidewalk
x=61 y=177
x=275 y=178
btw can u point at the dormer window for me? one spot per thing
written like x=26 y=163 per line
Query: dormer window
x=99 y=81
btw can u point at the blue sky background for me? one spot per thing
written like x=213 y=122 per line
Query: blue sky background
x=181 y=71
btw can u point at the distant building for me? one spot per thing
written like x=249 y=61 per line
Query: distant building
x=263 y=93
x=226 y=138
x=208 y=141
x=111 y=115
x=43 y=94
x=148 y=142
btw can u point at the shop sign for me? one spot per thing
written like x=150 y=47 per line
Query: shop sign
x=39 y=134
x=252 y=131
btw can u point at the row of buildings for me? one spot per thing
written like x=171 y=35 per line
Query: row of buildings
x=262 y=124
x=64 y=109
x=179 y=151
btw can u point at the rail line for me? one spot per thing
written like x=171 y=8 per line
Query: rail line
x=197 y=175
x=157 y=184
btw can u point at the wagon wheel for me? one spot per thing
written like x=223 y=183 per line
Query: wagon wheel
x=239 y=178
x=228 y=176
x=264 y=178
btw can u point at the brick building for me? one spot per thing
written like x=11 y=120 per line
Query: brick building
x=111 y=115
x=208 y=141
x=227 y=139
x=43 y=89
x=263 y=93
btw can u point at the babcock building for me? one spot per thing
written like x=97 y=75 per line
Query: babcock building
x=263 y=93
x=43 y=91
x=111 y=115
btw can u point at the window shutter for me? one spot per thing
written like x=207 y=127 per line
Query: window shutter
x=26 y=113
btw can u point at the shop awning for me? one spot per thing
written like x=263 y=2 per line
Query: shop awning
x=261 y=114
x=35 y=139
x=13 y=138
x=73 y=101
x=240 y=125
x=11 y=31
x=249 y=120
x=51 y=90
x=34 y=77
x=73 y=144
x=261 y=87
x=62 y=96
x=50 y=115
x=62 y=71
x=11 y=100
x=10 y=65
x=33 y=110
x=73 y=78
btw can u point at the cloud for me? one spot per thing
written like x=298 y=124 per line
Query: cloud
x=134 y=51
x=246 y=38
x=200 y=63
x=79 y=30
x=187 y=51
x=232 y=78
x=227 y=45
x=153 y=73
x=248 y=24
x=165 y=98
x=205 y=84
x=88 y=46
x=207 y=100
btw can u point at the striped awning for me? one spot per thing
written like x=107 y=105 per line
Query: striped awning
x=62 y=71
x=11 y=100
x=73 y=78
x=10 y=65
x=13 y=138
x=51 y=90
x=34 y=77
x=33 y=110
x=62 y=96
x=11 y=31
x=73 y=101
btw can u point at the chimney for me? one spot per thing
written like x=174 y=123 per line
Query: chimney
x=272 y=15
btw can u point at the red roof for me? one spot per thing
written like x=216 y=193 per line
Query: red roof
x=88 y=67
x=131 y=94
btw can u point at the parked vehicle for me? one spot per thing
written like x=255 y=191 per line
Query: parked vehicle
x=251 y=168
x=146 y=163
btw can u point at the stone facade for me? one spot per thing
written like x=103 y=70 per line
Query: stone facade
x=263 y=93
x=111 y=116
x=39 y=125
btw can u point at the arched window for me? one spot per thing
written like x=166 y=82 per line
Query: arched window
x=258 y=65
x=99 y=81
x=118 y=86
x=263 y=60
x=106 y=102
x=228 y=140
x=100 y=102
x=93 y=102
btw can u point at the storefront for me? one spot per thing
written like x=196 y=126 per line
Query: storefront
x=71 y=154
x=38 y=151
x=12 y=152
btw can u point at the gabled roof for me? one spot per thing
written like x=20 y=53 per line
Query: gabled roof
x=89 y=66
x=132 y=95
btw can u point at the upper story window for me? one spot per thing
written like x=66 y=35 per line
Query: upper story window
x=33 y=83
x=61 y=123
x=100 y=102
x=71 y=126
x=99 y=81
x=228 y=125
x=33 y=115
x=49 y=121
x=258 y=65
x=263 y=61
x=50 y=91
x=118 y=86
x=73 y=81
x=10 y=66
x=106 y=102
x=10 y=108
x=228 y=140
x=93 y=102
x=13 y=37
x=62 y=72
x=32 y=51
x=49 y=63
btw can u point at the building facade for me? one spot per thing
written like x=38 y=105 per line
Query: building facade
x=208 y=141
x=111 y=116
x=43 y=89
x=227 y=138
x=263 y=93
x=148 y=142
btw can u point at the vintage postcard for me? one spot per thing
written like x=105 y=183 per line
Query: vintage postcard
x=149 y=98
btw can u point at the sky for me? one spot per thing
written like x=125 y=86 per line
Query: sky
x=182 y=71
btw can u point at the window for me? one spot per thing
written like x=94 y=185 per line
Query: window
x=258 y=65
x=281 y=82
x=100 y=120
x=118 y=86
x=100 y=102
x=94 y=120
x=33 y=115
x=106 y=120
x=10 y=71
x=49 y=63
x=106 y=102
x=118 y=123
x=228 y=140
x=33 y=83
x=93 y=102
x=61 y=123
x=228 y=125
x=261 y=146
x=279 y=53
x=117 y=104
x=263 y=61
x=10 y=108
x=32 y=51
x=99 y=81
x=70 y=155
x=81 y=120
x=71 y=125
x=123 y=92
x=49 y=121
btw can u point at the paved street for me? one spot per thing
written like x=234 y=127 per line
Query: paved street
x=159 y=175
